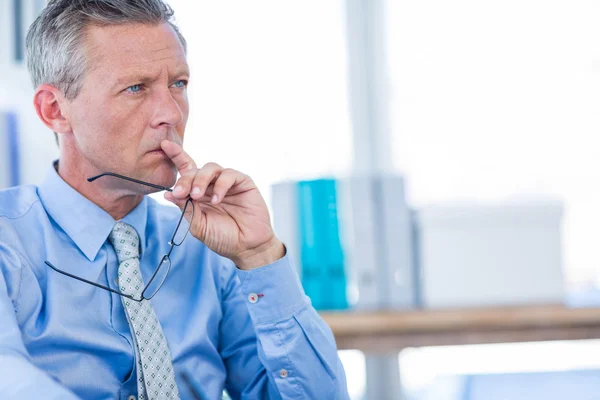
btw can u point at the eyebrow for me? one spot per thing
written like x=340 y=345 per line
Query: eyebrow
x=146 y=78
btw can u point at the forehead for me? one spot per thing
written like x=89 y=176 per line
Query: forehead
x=140 y=48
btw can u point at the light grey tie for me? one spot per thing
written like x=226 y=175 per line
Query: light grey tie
x=156 y=376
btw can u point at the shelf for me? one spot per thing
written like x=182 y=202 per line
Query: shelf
x=385 y=331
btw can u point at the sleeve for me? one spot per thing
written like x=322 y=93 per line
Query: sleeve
x=19 y=378
x=274 y=344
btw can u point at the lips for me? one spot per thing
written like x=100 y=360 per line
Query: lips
x=158 y=152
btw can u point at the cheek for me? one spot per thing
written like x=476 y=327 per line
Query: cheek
x=126 y=122
x=185 y=110
x=88 y=128
x=95 y=118
x=107 y=131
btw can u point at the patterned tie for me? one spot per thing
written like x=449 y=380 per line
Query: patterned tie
x=156 y=376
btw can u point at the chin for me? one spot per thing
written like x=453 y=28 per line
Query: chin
x=164 y=174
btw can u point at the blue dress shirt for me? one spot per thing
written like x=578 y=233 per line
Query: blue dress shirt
x=61 y=338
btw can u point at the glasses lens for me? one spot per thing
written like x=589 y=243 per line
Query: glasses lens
x=183 y=227
x=158 y=278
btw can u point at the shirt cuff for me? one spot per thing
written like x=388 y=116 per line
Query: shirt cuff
x=273 y=293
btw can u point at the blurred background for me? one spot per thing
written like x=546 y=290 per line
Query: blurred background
x=471 y=125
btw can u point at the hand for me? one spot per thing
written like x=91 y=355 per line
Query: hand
x=230 y=215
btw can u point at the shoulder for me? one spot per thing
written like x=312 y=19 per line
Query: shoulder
x=11 y=259
x=21 y=213
x=17 y=201
x=19 y=208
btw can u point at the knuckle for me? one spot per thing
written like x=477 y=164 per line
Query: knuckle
x=212 y=165
x=189 y=174
x=187 y=165
x=183 y=180
x=230 y=172
x=248 y=179
x=201 y=179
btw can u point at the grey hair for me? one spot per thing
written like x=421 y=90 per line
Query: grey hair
x=54 y=48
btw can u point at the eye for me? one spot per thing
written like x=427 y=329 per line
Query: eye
x=180 y=84
x=134 y=88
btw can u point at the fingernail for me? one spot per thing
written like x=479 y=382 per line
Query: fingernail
x=178 y=189
x=214 y=199
x=196 y=190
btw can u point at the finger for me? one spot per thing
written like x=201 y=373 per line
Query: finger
x=184 y=184
x=203 y=178
x=228 y=178
x=182 y=160
x=195 y=181
x=178 y=202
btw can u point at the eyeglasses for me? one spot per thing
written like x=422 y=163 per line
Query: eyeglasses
x=161 y=272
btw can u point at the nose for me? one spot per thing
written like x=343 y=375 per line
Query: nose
x=167 y=110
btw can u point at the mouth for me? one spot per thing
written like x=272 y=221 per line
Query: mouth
x=158 y=152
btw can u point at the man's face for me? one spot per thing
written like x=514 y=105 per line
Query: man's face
x=133 y=97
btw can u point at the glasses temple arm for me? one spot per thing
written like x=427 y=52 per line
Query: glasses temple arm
x=93 y=178
x=90 y=282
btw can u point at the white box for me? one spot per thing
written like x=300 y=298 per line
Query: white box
x=357 y=234
x=397 y=273
x=284 y=203
x=491 y=255
x=376 y=230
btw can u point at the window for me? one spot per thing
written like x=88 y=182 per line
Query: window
x=18 y=31
x=501 y=99
x=268 y=92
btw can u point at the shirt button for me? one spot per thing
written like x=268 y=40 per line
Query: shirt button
x=283 y=373
x=131 y=397
x=252 y=298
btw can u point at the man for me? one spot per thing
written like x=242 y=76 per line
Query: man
x=79 y=259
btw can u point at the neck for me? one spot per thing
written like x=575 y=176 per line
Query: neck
x=74 y=170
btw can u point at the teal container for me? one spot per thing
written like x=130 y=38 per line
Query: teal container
x=323 y=274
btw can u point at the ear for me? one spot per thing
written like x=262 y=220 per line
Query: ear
x=50 y=106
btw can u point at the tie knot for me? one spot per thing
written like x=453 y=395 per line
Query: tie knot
x=125 y=240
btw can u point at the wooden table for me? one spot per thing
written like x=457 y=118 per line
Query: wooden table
x=379 y=334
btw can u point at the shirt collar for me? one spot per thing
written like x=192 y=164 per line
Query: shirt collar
x=82 y=220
